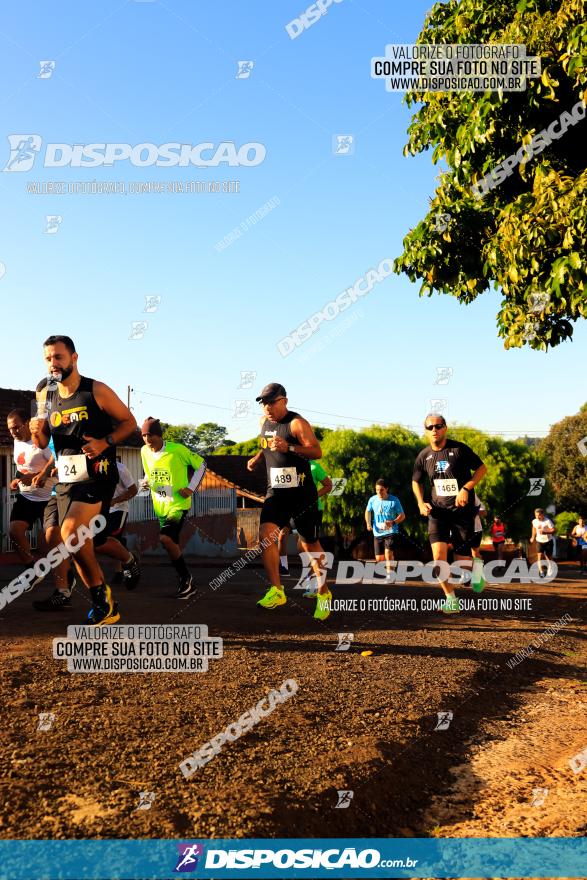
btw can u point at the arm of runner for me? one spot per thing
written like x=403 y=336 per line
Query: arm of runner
x=199 y=465
x=463 y=496
x=307 y=444
x=253 y=462
x=368 y=517
x=325 y=487
x=533 y=536
x=40 y=478
x=109 y=401
x=423 y=506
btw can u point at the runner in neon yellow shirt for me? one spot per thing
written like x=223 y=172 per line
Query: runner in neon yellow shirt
x=166 y=473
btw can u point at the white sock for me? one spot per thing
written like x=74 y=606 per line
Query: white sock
x=283 y=560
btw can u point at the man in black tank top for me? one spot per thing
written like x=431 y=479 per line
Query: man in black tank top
x=80 y=414
x=288 y=444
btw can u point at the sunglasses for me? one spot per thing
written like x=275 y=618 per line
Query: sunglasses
x=434 y=427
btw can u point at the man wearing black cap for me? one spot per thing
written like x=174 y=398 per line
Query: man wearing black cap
x=166 y=471
x=288 y=444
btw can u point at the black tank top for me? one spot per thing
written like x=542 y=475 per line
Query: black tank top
x=72 y=417
x=286 y=459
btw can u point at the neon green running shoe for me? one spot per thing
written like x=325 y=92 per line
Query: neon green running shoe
x=323 y=605
x=273 y=597
x=450 y=606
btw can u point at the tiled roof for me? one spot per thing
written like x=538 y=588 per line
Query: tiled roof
x=234 y=469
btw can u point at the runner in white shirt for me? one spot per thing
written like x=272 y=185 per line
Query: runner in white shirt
x=32 y=481
x=542 y=532
x=579 y=533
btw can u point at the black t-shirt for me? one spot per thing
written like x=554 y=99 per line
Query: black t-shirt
x=281 y=479
x=69 y=418
x=448 y=470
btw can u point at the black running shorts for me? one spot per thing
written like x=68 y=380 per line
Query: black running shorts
x=384 y=543
x=455 y=527
x=86 y=493
x=172 y=527
x=303 y=512
x=25 y=510
x=116 y=523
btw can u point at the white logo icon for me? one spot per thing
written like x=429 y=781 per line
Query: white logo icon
x=241 y=409
x=530 y=331
x=52 y=223
x=444 y=719
x=247 y=379
x=152 y=303
x=441 y=221
x=244 y=69
x=581 y=445
x=47 y=68
x=2 y=270
x=338 y=485
x=439 y=405
x=539 y=795
x=578 y=762
x=325 y=561
x=344 y=800
x=539 y=299
x=344 y=641
x=23 y=151
x=46 y=720
x=343 y=144
x=138 y=329
x=536 y=486
x=146 y=799
x=443 y=375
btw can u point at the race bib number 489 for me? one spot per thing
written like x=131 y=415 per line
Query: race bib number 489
x=446 y=488
x=284 y=478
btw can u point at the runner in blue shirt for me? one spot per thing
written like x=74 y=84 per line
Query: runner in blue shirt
x=383 y=515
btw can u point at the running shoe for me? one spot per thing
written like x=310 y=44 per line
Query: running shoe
x=477 y=575
x=103 y=615
x=131 y=572
x=274 y=597
x=185 y=587
x=56 y=601
x=283 y=569
x=311 y=592
x=323 y=605
x=450 y=606
x=33 y=583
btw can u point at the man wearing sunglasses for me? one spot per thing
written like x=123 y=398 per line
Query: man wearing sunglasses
x=453 y=470
x=288 y=445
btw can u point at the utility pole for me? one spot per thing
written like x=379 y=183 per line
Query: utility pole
x=128 y=391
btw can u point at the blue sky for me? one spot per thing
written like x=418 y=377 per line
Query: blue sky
x=160 y=72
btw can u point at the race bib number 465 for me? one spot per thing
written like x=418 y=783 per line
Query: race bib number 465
x=446 y=488
x=284 y=478
x=72 y=468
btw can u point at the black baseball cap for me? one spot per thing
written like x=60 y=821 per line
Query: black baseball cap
x=271 y=392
